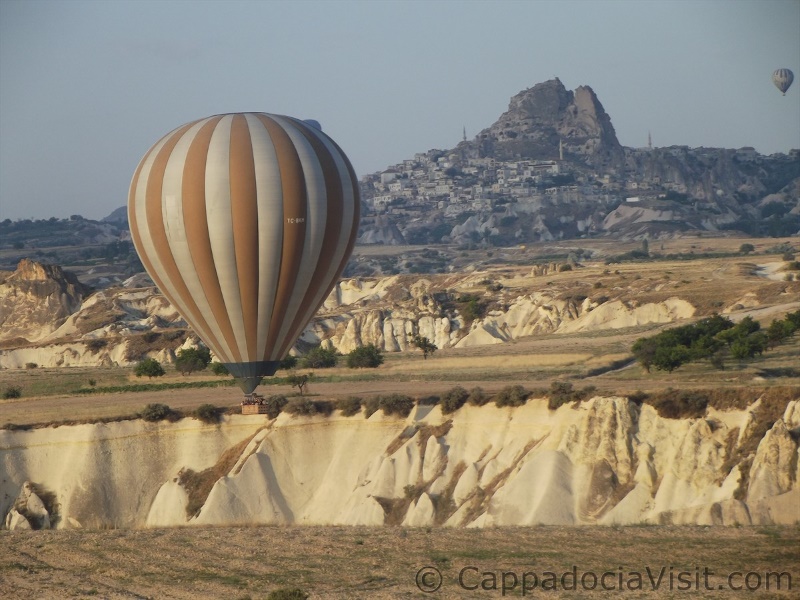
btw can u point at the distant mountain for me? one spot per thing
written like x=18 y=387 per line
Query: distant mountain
x=119 y=215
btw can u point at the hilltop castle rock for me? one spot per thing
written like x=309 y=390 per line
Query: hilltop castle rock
x=542 y=117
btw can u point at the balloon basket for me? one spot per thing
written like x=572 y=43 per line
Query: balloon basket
x=253 y=404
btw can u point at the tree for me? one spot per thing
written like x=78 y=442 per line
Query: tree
x=190 y=360
x=149 y=367
x=219 y=369
x=424 y=344
x=746 y=248
x=320 y=358
x=289 y=362
x=369 y=357
x=644 y=349
x=299 y=381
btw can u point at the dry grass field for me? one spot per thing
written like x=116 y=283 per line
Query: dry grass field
x=388 y=563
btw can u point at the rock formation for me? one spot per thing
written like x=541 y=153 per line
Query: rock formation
x=603 y=461
x=542 y=118
x=35 y=299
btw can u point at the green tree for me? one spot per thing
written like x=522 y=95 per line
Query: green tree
x=299 y=381
x=424 y=344
x=368 y=357
x=670 y=357
x=190 y=360
x=219 y=369
x=289 y=362
x=149 y=367
x=320 y=358
x=746 y=248
x=644 y=349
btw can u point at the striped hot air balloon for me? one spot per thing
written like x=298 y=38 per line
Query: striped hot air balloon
x=782 y=78
x=245 y=222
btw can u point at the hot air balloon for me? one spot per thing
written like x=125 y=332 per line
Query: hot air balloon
x=782 y=78
x=245 y=222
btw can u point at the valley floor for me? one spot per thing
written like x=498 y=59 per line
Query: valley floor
x=392 y=562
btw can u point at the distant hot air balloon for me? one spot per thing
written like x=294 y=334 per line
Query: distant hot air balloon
x=782 y=78
x=245 y=222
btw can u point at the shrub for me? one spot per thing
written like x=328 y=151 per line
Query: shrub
x=638 y=397
x=12 y=391
x=149 y=367
x=219 y=369
x=477 y=397
x=31 y=365
x=396 y=404
x=95 y=345
x=190 y=360
x=156 y=412
x=512 y=395
x=369 y=357
x=746 y=248
x=207 y=413
x=453 y=399
x=679 y=404
x=287 y=594
x=371 y=405
x=562 y=392
x=308 y=407
x=320 y=358
x=300 y=406
x=349 y=406
x=275 y=405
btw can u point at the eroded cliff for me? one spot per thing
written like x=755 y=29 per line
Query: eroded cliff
x=603 y=461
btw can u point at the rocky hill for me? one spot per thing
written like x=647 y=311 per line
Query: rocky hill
x=603 y=461
x=551 y=167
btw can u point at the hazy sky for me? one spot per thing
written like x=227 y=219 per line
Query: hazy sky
x=87 y=87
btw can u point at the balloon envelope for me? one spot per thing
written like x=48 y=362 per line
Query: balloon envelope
x=245 y=222
x=782 y=78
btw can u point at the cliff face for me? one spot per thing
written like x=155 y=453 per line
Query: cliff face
x=605 y=461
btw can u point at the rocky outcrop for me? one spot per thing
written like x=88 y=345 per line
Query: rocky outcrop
x=603 y=461
x=35 y=299
x=541 y=117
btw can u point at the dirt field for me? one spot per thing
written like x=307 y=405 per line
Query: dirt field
x=356 y=562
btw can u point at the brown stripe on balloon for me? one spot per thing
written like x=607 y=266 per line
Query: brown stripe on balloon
x=293 y=187
x=197 y=236
x=330 y=240
x=244 y=213
x=156 y=227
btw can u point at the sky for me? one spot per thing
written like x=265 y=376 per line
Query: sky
x=86 y=87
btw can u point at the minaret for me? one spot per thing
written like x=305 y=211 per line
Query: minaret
x=560 y=149
x=649 y=141
x=465 y=133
